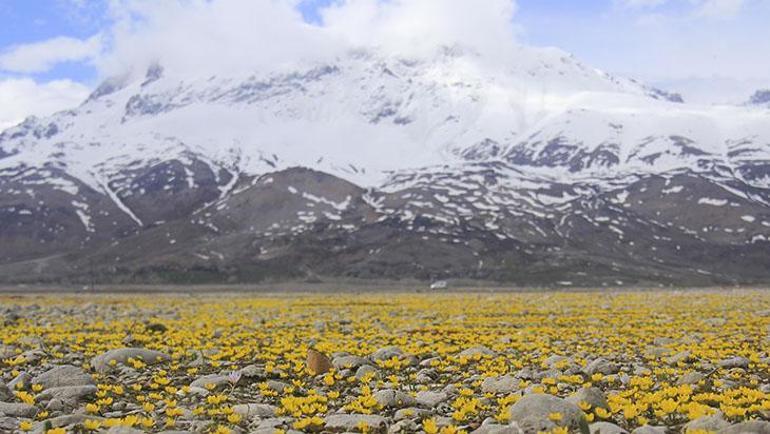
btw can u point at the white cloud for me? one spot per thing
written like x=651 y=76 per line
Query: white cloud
x=42 y=56
x=721 y=8
x=699 y=8
x=413 y=26
x=226 y=35
x=21 y=97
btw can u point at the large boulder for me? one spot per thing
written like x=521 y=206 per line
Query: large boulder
x=533 y=413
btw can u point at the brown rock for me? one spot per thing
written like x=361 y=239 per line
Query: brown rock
x=317 y=362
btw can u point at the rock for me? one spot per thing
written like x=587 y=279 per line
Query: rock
x=62 y=376
x=479 y=350
x=750 y=427
x=500 y=385
x=498 y=429
x=156 y=327
x=103 y=362
x=712 y=423
x=277 y=386
x=403 y=426
x=606 y=428
x=253 y=372
x=207 y=381
x=649 y=429
x=62 y=421
x=430 y=399
x=123 y=430
x=363 y=371
x=715 y=322
x=663 y=341
x=690 y=378
x=428 y=363
x=735 y=362
x=5 y=393
x=8 y=424
x=17 y=410
x=591 y=395
x=653 y=351
x=386 y=353
x=68 y=394
x=531 y=413
x=317 y=362
x=256 y=410
x=601 y=366
x=394 y=399
x=349 y=362
x=23 y=378
x=681 y=357
x=409 y=413
x=352 y=422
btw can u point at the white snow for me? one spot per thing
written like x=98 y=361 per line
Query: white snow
x=712 y=202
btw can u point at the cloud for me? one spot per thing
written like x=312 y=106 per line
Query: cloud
x=229 y=35
x=721 y=8
x=696 y=8
x=417 y=26
x=42 y=56
x=20 y=97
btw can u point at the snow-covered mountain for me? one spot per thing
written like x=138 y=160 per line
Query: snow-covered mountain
x=541 y=170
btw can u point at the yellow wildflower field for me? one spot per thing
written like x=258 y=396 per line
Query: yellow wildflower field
x=690 y=361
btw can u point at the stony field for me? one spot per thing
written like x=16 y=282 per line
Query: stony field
x=642 y=362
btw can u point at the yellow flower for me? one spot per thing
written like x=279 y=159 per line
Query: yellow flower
x=92 y=425
x=25 y=425
x=668 y=406
x=92 y=408
x=555 y=417
x=430 y=426
x=234 y=418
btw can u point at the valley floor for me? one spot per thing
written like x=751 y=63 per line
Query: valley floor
x=386 y=359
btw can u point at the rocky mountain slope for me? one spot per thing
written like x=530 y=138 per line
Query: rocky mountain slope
x=372 y=166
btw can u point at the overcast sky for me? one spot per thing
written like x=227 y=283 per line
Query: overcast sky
x=53 y=52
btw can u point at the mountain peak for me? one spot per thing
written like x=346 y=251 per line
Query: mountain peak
x=760 y=98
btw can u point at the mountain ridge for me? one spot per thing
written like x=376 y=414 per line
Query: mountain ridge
x=507 y=174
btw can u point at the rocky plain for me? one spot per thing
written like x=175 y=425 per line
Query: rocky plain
x=611 y=363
